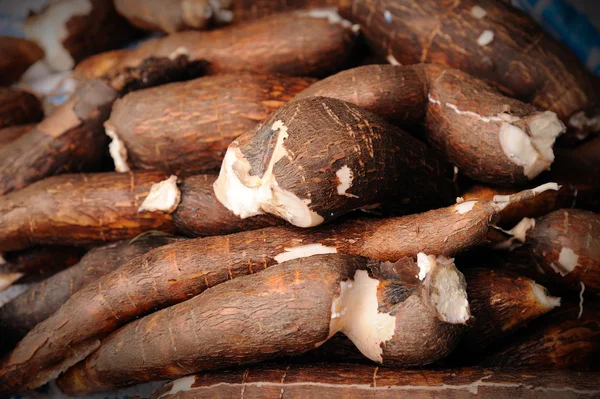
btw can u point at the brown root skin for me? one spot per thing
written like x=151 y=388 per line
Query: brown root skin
x=88 y=28
x=179 y=15
x=80 y=210
x=301 y=293
x=217 y=108
x=318 y=158
x=17 y=56
x=18 y=107
x=269 y=45
x=354 y=381
x=548 y=74
x=20 y=315
x=558 y=341
x=464 y=118
x=566 y=245
x=174 y=273
x=10 y=134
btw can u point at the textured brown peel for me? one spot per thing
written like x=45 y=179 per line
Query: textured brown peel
x=521 y=60
x=17 y=56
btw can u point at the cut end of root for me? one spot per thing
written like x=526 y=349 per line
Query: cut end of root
x=502 y=201
x=541 y=294
x=304 y=251
x=246 y=195
x=164 y=196
x=117 y=150
x=8 y=279
x=532 y=149
x=448 y=291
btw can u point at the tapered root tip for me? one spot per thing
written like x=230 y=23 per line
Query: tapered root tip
x=545 y=300
x=502 y=201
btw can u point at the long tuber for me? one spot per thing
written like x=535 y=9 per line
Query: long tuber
x=216 y=109
x=318 y=158
x=173 y=273
x=286 y=310
x=488 y=136
x=487 y=39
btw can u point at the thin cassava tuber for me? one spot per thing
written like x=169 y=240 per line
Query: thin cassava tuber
x=149 y=123
x=355 y=381
x=174 y=273
x=79 y=210
x=318 y=158
x=71 y=30
x=38 y=303
x=92 y=209
x=176 y=15
x=17 y=56
x=486 y=39
x=566 y=245
x=567 y=339
x=275 y=44
x=18 y=107
x=287 y=310
x=488 y=136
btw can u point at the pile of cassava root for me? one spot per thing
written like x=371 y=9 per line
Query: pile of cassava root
x=342 y=191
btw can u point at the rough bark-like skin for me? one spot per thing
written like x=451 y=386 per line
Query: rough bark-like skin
x=353 y=381
x=275 y=44
x=565 y=229
x=81 y=210
x=10 y=134
x=215 y=110
x=69 y=139
x=423 y=93
x=323 y=136
x=200 y=213
x=285 y=310
x=169 y=16
x=522 y=60
x=21 y=314
x=176 y=272
x=18 y=107
x=17 y=56
x=539 y=205
x=501 y=302
x=40 y=263
x=559 y=341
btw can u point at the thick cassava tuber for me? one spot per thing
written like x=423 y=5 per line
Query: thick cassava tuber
x=18 y=107
x=318 y=158
x=38 y=303
x=71 y=30
x=488 y=136
x=36 y=264
x=486 y=39
x=275 y=44
x=91 y=209
x=17 y=56
x=286 y=310
x=185 y=128
x=566 y=245
x=177 y=15
x=561 y=341
x=174 y=273
x=79 y=210
x=354 y=381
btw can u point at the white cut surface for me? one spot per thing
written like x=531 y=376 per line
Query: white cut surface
x=164 y=196
x=49 y=30
x=329 y=13
x=355 y=313
x=425 y=263
x=181 y=50
x=392 y=60
x=180 y=385
x=248 y=196
x=520 y=230
x=7 y=279
x=485 y=38
x=117 y=150
x=546 y=187
x=464 y=207
x=567 y=261
x=545 y=300
x=460 y=200
x=345 y=177
x=478 y=12
x=582 y=122
x=387 y=15
x=303 y=251
x=449 y=292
